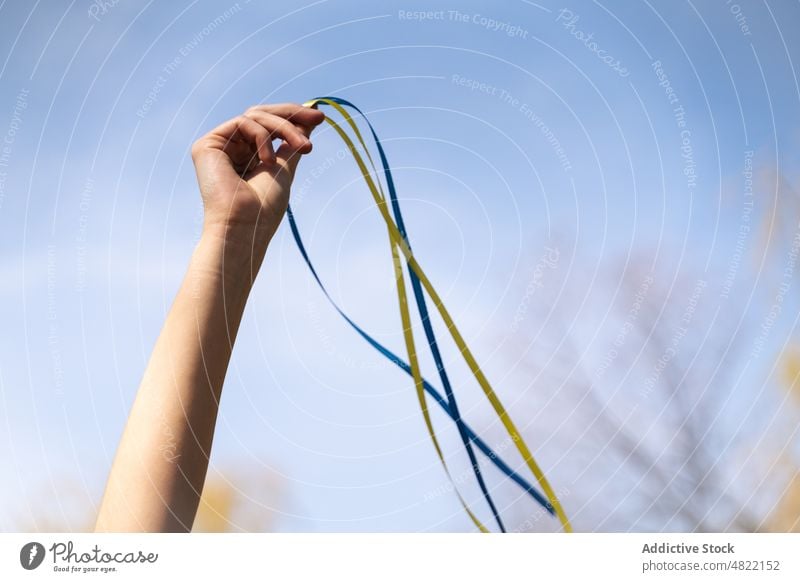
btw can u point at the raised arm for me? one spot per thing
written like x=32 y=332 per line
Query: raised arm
x=161 y=463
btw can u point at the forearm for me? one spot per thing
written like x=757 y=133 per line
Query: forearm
x=158 y=473
x=162 y=459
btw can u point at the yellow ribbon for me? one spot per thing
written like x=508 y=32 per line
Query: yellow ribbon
x=397 y=242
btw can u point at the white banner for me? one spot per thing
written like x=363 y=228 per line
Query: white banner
x=423 y=557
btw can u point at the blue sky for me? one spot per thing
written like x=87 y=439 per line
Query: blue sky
x=99 y=212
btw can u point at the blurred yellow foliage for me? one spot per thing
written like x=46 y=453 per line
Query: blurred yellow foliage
x=790 y=369
x=238 y=500
x=786 y=516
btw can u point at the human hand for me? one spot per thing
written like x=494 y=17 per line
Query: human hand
x=244 y=181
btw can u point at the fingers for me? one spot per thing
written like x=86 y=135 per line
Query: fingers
x=294 y=124
x=247 y=139
x=297 y=114
x=291 y=122
x=240 y=138
x=280 y=127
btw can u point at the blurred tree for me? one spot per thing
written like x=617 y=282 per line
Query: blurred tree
x=648 y=394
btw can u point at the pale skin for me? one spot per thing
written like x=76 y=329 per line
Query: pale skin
x=158 y=473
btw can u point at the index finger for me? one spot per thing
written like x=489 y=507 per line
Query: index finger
x=293 y=112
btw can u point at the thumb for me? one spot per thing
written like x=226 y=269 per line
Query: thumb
x=287 y=157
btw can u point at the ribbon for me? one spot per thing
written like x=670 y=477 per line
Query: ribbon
x=399 y=243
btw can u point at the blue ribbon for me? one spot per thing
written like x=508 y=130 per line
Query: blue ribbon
x=425 y=317
x=450 y=406
x=482 y=446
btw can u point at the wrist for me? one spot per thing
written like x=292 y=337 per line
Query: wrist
x=242 y=238
x=234 y=254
